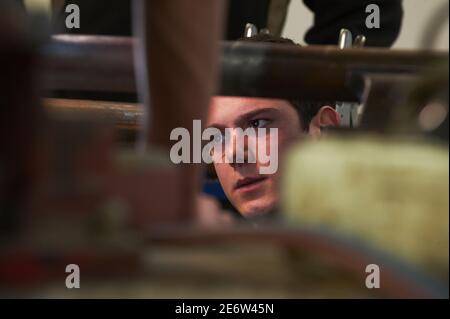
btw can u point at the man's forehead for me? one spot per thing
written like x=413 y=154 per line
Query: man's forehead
x=228 y=108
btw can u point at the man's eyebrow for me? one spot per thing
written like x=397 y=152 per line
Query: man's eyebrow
x=245 y=116
x=248 y=115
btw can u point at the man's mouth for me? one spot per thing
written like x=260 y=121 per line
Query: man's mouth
x=249 y=183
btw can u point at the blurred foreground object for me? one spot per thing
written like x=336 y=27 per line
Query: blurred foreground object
x=392 y=195
x=175 y=84
x=19 y=154
x=237 y=262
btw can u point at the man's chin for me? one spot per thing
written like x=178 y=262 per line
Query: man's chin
x=257 y=210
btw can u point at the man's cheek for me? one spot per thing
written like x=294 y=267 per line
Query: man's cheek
x=224 y=177
x=268 y=152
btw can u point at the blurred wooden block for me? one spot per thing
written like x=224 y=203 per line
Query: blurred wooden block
x=390 y=194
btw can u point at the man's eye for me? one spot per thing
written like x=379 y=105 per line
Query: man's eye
x=218 y=138
x=258 y=123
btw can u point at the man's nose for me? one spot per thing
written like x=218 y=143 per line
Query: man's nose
x=238 y=151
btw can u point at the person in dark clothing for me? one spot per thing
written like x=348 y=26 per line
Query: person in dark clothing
x=113 y=17
x=100 y=17
x=331 y=16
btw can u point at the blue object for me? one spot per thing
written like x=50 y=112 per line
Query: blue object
x=214 y=189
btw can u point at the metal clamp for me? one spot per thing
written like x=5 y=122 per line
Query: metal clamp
x=251 y=30
x=349 y=112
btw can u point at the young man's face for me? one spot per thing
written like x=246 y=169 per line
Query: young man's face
x=247 y=189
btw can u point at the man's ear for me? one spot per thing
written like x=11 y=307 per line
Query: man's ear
x=325 y=117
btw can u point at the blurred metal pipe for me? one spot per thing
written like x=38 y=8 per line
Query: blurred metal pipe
x=122 y=115
x=104 y=64
x=89 y=63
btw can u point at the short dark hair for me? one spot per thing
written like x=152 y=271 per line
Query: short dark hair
x=305 y=109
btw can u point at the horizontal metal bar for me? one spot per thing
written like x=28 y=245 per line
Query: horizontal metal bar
x=105 y=64
x=122 y=115
x=89 y=63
